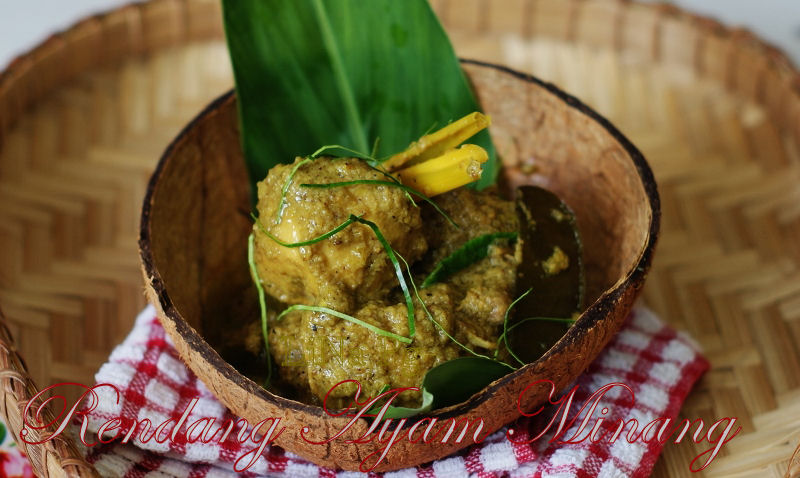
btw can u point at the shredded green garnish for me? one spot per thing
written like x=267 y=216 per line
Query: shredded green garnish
x=261 y=302
x=358 y=154
x=386 y=246
x=317 y=239
x=370 y=160
x=437 y=324
x=372 y=163
x=394 y=180
x=397 y=269
x=530 y=319
x=545 y=319
x=285 y=188
x=377 y=182
x=506 y=329
x=471 y=252
x=504 y=336
x=349 y=318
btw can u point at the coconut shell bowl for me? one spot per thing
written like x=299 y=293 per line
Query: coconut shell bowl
x=195 y=224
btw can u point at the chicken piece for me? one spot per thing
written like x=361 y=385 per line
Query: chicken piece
x=350 y=268
x=476 y=213
x=484 y=290
x=324 y=350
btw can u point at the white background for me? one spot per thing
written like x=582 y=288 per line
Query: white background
x=24 y=23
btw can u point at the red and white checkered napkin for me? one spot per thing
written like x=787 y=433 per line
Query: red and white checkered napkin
x=658 y=364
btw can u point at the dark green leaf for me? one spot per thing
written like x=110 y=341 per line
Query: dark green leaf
x=345 y=72
x=349 y=318
x=450 y=383
x=405 y=412
x=456 y=380
x=471 y=252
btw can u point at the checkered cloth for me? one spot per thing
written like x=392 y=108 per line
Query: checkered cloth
x=658 y=364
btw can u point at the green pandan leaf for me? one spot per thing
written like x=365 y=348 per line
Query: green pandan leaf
x=344 y=72
x=471 y=252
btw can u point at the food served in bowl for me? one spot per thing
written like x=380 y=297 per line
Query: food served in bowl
x=380 y=282
x=195 y=225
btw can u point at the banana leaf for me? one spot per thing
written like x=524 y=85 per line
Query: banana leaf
x=368 y=75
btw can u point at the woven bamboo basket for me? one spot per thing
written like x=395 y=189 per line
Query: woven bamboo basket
x=84 y=117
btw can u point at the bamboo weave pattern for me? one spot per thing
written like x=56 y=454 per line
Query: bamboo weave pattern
x=84 y=118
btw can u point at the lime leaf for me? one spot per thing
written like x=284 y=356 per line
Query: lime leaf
x=450 y=383
x=456 y=380
x=404 y=412
x=344 y=72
